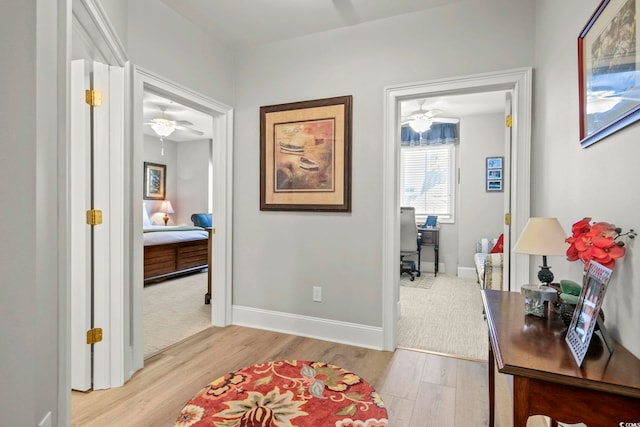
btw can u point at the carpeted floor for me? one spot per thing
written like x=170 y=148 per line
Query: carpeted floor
x=425 y=281
x=174 y=310
x=444 y=318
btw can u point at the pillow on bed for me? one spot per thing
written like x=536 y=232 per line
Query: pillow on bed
x=146 y=222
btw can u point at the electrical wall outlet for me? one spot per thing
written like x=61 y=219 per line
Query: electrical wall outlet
x=317 y=293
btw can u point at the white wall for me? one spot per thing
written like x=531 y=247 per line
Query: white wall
x=570 y=182
x=18 y=165
x=165 y=43
x=192 y=180
x=291 y=252
x=480 y=212
x=187 y=177
x=117 y=11
x=29 y=254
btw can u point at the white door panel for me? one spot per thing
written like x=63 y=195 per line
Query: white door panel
x=80 y=248
x=101 y=259
x=96 y=261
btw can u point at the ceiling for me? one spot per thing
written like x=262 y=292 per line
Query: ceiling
x=241 y=23
x=275 y=20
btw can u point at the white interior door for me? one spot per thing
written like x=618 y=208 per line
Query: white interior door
x=80 y=248
x=96 y=260
x=506 y=180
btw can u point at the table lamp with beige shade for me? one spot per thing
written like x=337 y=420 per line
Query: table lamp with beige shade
x=545 y=237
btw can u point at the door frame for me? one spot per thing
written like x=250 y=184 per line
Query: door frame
x=519 y=81
x=221 y=194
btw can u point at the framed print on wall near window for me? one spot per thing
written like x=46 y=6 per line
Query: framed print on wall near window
x=155 y=179
x=608 y=71
x=305 y=155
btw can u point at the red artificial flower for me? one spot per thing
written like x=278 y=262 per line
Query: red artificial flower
x=595 y=241
x=581 y=227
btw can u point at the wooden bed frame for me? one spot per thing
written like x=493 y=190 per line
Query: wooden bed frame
x=174 y=259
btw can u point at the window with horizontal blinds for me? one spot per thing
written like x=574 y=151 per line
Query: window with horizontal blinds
x=426 y=180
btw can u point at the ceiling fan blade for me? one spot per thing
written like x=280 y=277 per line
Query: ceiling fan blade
x=183 y=123
x=190 y=130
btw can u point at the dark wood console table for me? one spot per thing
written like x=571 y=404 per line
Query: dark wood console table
x=546 y=379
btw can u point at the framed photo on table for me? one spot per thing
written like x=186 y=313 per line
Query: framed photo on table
x=155 y=179
x=305 y=155
x=587 y=310
x=609 y=70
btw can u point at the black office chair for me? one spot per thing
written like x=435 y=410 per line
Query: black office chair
x=409 y=243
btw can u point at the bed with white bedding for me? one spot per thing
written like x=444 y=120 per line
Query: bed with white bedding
x=170 y=251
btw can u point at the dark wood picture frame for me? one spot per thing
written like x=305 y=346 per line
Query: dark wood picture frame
x=305 y=155
x=587 y=310
x=155 y=180
x=608 y=71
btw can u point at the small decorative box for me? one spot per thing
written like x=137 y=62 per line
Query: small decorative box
x=537 y=299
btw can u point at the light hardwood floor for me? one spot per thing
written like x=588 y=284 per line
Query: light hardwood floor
x=419 y=389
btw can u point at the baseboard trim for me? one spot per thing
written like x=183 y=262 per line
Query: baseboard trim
x=467 y=273
x=310 y=327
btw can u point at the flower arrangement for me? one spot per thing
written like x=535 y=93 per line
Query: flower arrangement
x=598 y=242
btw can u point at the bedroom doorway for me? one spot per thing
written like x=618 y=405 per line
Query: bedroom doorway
x=177 y=141
x=213 y=177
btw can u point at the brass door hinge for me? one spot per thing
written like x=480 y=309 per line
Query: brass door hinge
x=509 y=121
x=94 y=217
x=94 y=335
x=507 y=219
x=93 y=97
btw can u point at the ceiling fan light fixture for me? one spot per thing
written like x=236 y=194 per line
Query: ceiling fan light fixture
x=420 y=125
x=163 y=127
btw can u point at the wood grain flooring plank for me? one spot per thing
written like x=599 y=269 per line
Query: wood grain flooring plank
x=435 y=406
x=402 y=378
x=472 y=394
x=440 y=370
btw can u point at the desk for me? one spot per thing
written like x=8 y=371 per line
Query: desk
x=546 y=378
x=431 y=237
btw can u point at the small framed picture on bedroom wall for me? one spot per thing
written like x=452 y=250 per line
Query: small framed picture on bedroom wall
x=494 y=174
x=154 y=181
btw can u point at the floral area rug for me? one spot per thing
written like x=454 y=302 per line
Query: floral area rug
x=286 y=393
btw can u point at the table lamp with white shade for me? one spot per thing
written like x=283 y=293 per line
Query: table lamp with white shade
x=542 y=236
x=166 y=209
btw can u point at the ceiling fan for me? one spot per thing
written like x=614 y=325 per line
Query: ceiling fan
x=421 y=120
x=164 y=126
